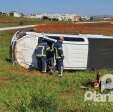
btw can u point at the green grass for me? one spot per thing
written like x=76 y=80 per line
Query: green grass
x=24 y=91
x=7 y=21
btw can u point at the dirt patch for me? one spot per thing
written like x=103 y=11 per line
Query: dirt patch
x=22 y=71
x=83 y=28
x=4 y=80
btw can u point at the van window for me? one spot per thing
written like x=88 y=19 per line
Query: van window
x=73 y=39
x=69 y=38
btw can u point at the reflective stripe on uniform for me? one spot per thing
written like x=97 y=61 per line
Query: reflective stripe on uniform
x=42 y=51
x=56 y=52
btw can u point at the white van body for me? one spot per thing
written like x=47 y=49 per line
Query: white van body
x=75 y=52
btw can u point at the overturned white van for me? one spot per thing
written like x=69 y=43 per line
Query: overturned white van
x=81 y=52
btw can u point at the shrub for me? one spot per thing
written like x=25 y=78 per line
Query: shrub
x=21 y=23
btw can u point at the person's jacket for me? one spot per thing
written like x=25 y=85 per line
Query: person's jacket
x=41 y=49
x=58 y=50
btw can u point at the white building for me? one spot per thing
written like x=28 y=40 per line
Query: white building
x=39 y=16
x=69 y=17
x=60 y=17
x=64 y=17
x=87 y=18
x=15 y=14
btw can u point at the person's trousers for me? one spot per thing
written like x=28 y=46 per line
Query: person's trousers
x=59 y=65
x=50 y=63
x=41 y=63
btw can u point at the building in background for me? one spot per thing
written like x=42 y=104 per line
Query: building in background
x=3 y=13
x=63 y=17
x=15 y=14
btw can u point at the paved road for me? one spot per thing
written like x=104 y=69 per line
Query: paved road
x=15 y=28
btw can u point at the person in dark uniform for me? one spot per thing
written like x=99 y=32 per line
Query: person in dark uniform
x=50 y=57
x=59 y=56
x=41 y=56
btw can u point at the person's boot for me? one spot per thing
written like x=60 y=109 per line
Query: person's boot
x=43 y=71
x=60 y=74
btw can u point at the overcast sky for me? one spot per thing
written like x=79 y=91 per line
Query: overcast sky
x=81 y=7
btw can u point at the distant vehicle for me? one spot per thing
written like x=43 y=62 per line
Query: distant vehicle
x=81 y=52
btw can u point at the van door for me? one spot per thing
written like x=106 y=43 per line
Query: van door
x=75 y=53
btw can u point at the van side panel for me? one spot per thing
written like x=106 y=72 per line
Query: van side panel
x=75 y=56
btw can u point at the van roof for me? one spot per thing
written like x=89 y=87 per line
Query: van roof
x=72 y=35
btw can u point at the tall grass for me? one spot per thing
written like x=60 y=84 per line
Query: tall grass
x=35 y=103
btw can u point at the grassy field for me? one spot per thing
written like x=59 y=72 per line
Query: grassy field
x=7 y=21
x=14 y=21
x=31 y=91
